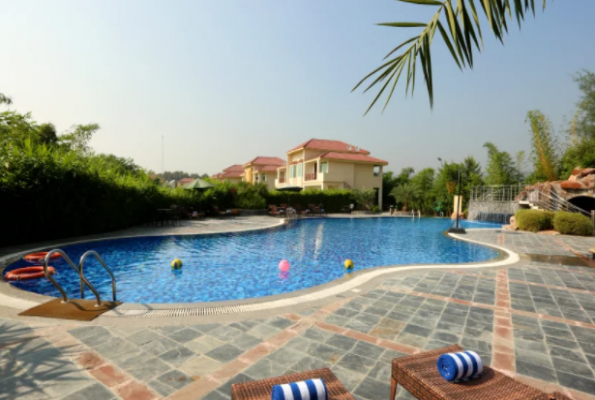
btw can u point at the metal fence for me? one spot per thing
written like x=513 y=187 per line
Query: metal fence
x=500 y=193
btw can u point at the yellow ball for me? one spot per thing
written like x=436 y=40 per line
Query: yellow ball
x=348 y=264
x=176 y=264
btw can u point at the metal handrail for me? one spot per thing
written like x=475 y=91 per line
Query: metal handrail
x=109 y=271
x=78 y=270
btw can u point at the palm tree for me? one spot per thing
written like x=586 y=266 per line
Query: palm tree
x=405 y=193
x=460 y=30
x=364 y=197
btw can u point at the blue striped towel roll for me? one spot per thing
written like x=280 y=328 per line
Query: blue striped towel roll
x=312 y=389
x=460 y=367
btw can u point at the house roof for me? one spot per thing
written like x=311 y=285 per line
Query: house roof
x=351 y=157
x=184 y=181
x=330 y=145
x=234 y=168
x=260 y=160
x=268 y=168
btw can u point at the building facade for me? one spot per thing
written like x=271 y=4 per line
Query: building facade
x=262 y=170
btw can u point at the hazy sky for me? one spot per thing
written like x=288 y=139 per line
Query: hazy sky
x=227 y=80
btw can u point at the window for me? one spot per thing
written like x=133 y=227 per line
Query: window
x=324 y=167
x=255 y=177
x=299 y=169
x=376 y=170
x=264 y=177
x=292 y=171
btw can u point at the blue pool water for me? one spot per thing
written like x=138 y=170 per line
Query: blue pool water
x=245 y=265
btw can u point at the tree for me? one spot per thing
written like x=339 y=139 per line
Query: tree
x=448 y=172
x=581 y=152
x=364 y=197
x=501 y=168
x=460 y=30
x=470 y=176
x=424 y=180
x=5 y=99
x=78 y=138
x=405 y=194
x=543 y=148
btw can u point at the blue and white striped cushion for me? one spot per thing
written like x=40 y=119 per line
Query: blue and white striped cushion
x=460 y=367
x=312 y=389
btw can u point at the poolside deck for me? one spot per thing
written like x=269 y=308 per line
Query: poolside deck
x=532 y=320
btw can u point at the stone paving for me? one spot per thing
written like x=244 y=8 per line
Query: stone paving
x=533 y=321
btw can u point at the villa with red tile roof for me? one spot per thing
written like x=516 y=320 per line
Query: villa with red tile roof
x=262 y=170
x=184 y=181
x=331 y=164
x=230 y=174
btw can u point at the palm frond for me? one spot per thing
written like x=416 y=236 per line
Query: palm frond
x=460 y=29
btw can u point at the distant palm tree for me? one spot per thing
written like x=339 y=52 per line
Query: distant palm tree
x=460 y=30
x=405 y=194
x=364 y=197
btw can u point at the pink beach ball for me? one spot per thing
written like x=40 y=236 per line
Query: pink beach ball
x=284 y=265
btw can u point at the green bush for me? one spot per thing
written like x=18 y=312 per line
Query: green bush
x=573 y=224
x=332 y=200
x=534 y=220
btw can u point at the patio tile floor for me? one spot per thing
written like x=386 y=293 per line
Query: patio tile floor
x=532 y=320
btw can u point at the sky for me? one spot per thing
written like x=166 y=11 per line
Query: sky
x=224 y=81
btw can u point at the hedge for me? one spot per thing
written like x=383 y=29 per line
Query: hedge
x=573 y=224
x=534 y=220
x=333 y=200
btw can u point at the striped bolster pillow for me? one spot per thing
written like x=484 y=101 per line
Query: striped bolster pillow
x=312 y=389
x=460 y=367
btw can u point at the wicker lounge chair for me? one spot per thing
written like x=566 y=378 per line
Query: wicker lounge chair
x=419 y=375
x=261 y=390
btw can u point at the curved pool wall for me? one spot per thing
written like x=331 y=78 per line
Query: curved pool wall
x=234 y=266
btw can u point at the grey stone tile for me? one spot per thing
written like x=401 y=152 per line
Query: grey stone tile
x=205 y=328
x=301 y=344
x=346 y=312
x=204 y=344
x=566 y=354
x=535 y=371
x=184 y=335
x=239 y=378
x=263 y=332
x=329 y=354
x=317 y=334
x=161 y=388
x=167 y=330
x=224 y=353
x=567 y=344
x=381 y=371
x=159 y=346
x=144 y=367
x=445 y=337
x=115 y=347
x=144 y=336
x=308 y=363
x=380 y=312
x=417 y=330
x=453 y=319
x=367 y=319
x=245 y=341
x=216 y=395
x=286 y=356
x=356 y=363
x=399 y=316
x=197 y=367
x=92 y=392
x=359 y=326
x=581 y=383
x=337 y=320
x=412 y=340
x=280 y=322
x=177 y=356
x=86 y=331
x=529 y=345
x=342 y=342
x=367 y=350
x=226 y=333
x=583 y=334
x=372 y=389
x=175 y=379
x=450 y=328
x=349 y=379
x=571 y=367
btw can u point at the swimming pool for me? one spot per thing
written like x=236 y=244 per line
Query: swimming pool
x=245 y=265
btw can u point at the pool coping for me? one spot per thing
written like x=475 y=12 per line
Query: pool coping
x=19 y=299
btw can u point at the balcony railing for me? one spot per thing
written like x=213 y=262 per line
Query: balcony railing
x=311 y=177
x=282 y=180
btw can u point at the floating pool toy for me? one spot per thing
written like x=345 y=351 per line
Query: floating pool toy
x=348 y=264
x=284 y=265
x=39 y=257
x=176 y=264
x=23 y=274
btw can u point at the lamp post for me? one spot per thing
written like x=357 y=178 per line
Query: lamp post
x=457 y=228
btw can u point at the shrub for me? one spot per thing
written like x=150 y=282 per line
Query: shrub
x=573 y=224
x=332 y=200
x=534 y=220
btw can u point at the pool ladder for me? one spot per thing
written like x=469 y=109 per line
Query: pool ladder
x=79 y=270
